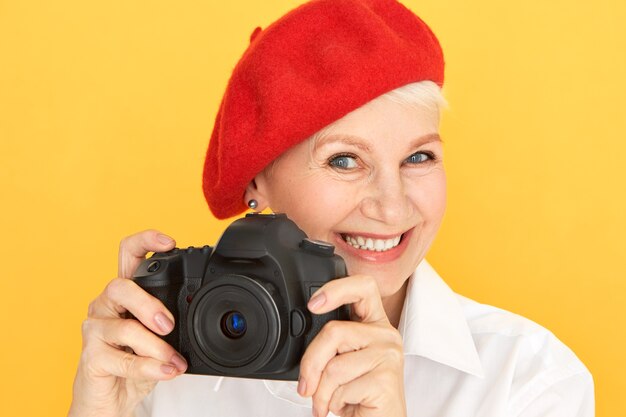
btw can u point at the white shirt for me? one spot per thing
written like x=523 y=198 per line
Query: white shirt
x=462 y=359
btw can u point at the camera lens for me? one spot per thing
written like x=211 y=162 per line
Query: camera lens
x=233 y=324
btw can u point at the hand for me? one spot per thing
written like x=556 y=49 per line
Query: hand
x=122 y=360
x=354 y=368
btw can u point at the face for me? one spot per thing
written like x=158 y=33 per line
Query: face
x=373 y=184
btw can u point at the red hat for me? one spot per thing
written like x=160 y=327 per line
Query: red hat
x=311 y=67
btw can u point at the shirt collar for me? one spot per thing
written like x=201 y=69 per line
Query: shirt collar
x=432 y=323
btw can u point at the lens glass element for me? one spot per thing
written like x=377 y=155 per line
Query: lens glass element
x=233 y=324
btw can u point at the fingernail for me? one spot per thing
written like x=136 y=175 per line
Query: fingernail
x=166 y=240
x=179 y=362
x=301 y=386
x=167 y=369
x=317 y=301
x=164 y=323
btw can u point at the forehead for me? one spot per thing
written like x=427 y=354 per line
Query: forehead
x=379 y=127
x=380 y=121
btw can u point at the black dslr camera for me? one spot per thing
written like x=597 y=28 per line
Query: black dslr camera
x=240 y=307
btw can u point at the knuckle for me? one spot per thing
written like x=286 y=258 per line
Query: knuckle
x=164 y=352
x=129 y=240
x=332 y=330
x=320 y=403
x=88 y=358
x=370 y=284
x=86 y=328
x=127 y=243
x=335 y=403
x=89 y=333
x=91 y=308
x=113 y=288
x=124 y=244
x=394 y=355
x=392 y=335
x=92 y=357
x=335 y=409
x=333 y=369
x=127 y=364
x=310 y=368
x=397 y=339
x=132 y=328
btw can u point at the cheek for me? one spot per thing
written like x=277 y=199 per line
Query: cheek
x=431 y=198
x=441 y=196
x=315 y=204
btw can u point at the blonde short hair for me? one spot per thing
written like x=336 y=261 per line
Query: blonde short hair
x=423 y=93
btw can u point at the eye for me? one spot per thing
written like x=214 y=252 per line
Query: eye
x=343 y=161
x=419 y=157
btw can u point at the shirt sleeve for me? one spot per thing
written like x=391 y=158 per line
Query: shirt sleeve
x=569 y=397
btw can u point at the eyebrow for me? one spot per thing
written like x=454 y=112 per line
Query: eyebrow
x=358 y=142
x=428 y=138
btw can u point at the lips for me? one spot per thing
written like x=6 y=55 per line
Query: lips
x=371 y=244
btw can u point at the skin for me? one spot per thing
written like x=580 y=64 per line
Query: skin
x=378 y=173
x=110 y=381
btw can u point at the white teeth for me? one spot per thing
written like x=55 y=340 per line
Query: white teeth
x=378 y=245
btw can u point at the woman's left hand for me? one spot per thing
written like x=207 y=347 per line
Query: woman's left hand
x=354 y=368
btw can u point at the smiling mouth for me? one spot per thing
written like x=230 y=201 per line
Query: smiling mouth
x=371 y=244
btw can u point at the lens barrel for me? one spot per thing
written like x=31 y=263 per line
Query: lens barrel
x=234 y=325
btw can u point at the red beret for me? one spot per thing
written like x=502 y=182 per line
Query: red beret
x=311 y=67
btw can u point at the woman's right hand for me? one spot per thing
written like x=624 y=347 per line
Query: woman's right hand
x=122 y=360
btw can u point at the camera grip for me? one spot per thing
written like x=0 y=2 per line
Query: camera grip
x=161 y=277
x=319 y=320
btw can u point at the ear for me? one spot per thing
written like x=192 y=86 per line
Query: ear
x=257 y=190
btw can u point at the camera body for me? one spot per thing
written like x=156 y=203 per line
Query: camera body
x=240 y=307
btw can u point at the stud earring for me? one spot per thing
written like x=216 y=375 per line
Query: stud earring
x=253 y=204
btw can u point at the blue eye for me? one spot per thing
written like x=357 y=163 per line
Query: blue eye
x=343 y=162
x=419 y=157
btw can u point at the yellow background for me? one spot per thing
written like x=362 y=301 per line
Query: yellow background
x=105 y=113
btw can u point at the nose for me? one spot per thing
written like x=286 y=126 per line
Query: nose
x=387 y=200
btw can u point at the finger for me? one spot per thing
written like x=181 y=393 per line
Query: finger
x=121 y=333
x=360 y=291
x=338 y=337
x=122 y=295
x=108 y=361
x=379 y=390
x=349 y=366
x=134 y=248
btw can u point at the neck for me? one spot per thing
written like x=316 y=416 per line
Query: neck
x=393 y=304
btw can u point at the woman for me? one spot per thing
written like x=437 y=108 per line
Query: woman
x=332 y=117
